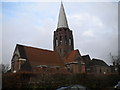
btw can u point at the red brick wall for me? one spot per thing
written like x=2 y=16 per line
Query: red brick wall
x=63 y=48
x=74 y=68
x=12 y=67
x=83 y=68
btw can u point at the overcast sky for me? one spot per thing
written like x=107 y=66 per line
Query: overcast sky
x=94 y=26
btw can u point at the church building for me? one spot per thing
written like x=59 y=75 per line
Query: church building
x=63 y=58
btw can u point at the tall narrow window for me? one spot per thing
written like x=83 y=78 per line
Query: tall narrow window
x=15 y=62
x=69 y=41
x=60 y=40
x=15 y=66
x=56 y=42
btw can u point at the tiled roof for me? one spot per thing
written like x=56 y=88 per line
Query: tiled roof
x=22 y=51
x=38 y=56
x=71 y=56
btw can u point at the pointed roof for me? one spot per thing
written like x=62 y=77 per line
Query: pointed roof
x=37 y=56
x=62 y=20
x=73 y=56
x=98 y=62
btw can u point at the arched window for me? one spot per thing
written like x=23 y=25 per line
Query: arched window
x=65 y=39
x=15 y=59
x=69 y=41
x=56 y=42
x=60 y=40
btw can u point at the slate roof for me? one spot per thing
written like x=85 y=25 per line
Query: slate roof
x=93 y=62
x=98 y=62
x=86 y=57
x=87 y=60
x=38 y=56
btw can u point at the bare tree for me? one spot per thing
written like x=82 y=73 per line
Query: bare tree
x=116 y=62
x=4 y=68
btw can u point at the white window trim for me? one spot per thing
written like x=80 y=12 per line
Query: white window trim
x=42 y=66
x=72 y=63
x=21 y=59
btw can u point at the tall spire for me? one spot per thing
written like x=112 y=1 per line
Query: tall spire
x=62 y=20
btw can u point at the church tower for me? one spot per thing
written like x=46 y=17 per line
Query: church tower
x=63 y=37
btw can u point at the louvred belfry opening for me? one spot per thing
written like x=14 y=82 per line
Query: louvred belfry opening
x=63 y=37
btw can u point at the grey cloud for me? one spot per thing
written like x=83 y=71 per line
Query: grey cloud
x=95 y=30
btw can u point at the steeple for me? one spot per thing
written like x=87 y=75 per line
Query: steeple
x=62 y=20
x=63 y=37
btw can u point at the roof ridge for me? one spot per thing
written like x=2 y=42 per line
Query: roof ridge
x=97 y=59
x=85 y=55
x=34 y=48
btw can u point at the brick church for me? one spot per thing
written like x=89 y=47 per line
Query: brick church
x=63 y=59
